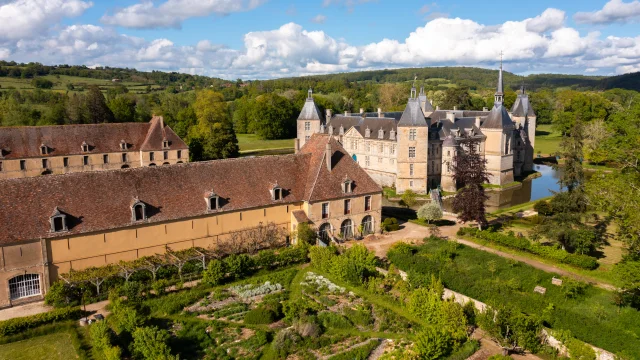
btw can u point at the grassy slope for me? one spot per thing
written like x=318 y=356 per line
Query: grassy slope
x=60 y=83
x=547 y=140
x=251 y=142
x=50 y=347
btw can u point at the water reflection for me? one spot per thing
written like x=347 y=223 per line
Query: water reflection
x=530 y=190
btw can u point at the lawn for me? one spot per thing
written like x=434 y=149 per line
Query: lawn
x=50 y=347
x=251 y=142
x=591 y=316
x=547 y=140
x=60 y=83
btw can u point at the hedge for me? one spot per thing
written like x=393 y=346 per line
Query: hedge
x=524 y=244
x=358 y=353
x=17 y=325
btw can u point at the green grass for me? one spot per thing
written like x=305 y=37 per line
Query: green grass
x=48 y=347
x=547 y=140
x=251 y=142
x=60 y=83
x=390 y=192
x=517 y=208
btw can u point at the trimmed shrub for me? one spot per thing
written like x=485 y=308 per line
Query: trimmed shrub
x=239 y=265
x=543 y=208
x=359 y=353
x=260 y=316
x=390 y=224
x=17 y=325
x=524 y=244
x=215 y=273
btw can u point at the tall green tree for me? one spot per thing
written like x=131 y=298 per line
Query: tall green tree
x=123 y=109
x=274 y=117
x=213 y=136
x=97 y=109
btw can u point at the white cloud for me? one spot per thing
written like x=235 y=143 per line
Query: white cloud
x=319 y=19
x=172 y=13
x=22 y=19
x=550 y=19
x=613 y=11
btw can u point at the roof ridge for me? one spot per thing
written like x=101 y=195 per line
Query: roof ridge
x=313 y=185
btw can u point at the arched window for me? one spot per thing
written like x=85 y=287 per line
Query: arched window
x=276 y=192
x=324 y=232
x=165 y=143
x=44 y=149
x=347 y=185
x=138 y=212
x=367 y=225
x=152 y=164
x=213 y=200
x=85 y=147
x=367 y=132
x=23 y=286
x=347 y=229
x=165 y=163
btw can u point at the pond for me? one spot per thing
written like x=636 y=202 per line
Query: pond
x=529 y=190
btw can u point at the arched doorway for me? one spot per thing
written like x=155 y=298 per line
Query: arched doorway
x=23 y=286
x=347 y=229
x=367 y=225
x=324 y=232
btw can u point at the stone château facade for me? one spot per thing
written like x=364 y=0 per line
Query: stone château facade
x=41 y=150
x=414 y=149
x=52 y=224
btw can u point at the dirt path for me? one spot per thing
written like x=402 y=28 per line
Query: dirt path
x=413 y=233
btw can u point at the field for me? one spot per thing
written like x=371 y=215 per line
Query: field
x=547 y=140
x=251 y=143
x=80 y=84
x=55 y=346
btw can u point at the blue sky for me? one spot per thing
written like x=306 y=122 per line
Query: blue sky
x=276 y=38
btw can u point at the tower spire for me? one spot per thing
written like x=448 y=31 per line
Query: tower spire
x=499 y=96
x=413 y=87
x=309 y=94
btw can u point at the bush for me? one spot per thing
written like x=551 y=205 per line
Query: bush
x=239 y=265
x=175 y=302
x=408 y=198
x=151 y=343
x=322 y=257
x=390 y=224
x=543 y=208
x=215 y=273
x=40 y=83
x=432 y=344
x=61 y=294
x=18 y=325
x=260 y=316
x=355 y=265
x=524 y=244
x=358 y=353
x=331 y=320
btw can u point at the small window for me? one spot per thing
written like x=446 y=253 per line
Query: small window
x=23 y=164
x=367 y=203
x=85 y=147
x=412 y=134
x=45 y=163
x=393 y=149
x=306 y=138
x=58 y=221
x=152 y=156
x=367 y=161
x=58 y=224
x=277 y=194
x=0 y=165
x=165 y=155
x=347 y=206
x=325 y=210
x=410 y=169
x=138 y=211
x=411 y=183
x=307 y=126
x=412 y=151
x=213 y=202
x=179 y=154
x=105 y=158
x=347 y=186
x=123 y=145
x=85 y=160
x=124 y=157
x=448 y=152
x=65 y=162
x=165 y=144
x=44 y=150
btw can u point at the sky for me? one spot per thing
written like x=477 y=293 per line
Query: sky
x=263 y=39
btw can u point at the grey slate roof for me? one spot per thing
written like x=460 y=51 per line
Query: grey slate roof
x=522 y=107
x=347 y=122
x=310 y=111
x=413 y=115
x=424 y=101
x=500 y=86
x=498 y=118
x=374 y=125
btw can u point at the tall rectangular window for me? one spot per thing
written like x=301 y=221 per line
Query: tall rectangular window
x=367 y=147
x=380 y=149
x=85 y=160
x=45 y=163
x=0 y=165
x=23 y=164
x=410 y=169
x=307 y=126
x=325 y=210
x=412 y=151
x=105 y=159
x=366 y=161
x=65 y=162
x=165 y=155
x=412 y=134
x=179 y=154
x=124 y=157
x=347 y=207
x=152 y=156
x=367 y=203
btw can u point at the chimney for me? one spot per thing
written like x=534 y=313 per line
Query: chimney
x=437 y=108
x=346 y=113
x=485 y=109
x=327 y=154
x=451 y=116
x=361 y=111
x=297 y=146
x=455 y=108
x=328 y=114
x=431 y=101
x=478 y=122
x=379 y=112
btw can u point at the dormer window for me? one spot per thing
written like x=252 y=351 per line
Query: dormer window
x=276 y=192
x=44 y=149
x=347 y=186
x=138 y=211
x=331 y=129
x=392 y=135
x=341 y=130
x=165 y=143
x=85 y=147
x=380 y=134
x=123 y=145
x=212 y=200
x=58 y=221
x=367 y=133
